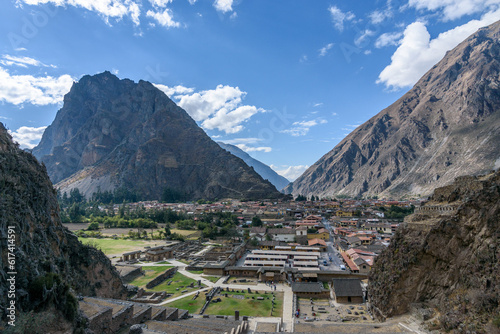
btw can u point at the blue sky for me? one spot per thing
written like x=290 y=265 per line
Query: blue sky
x=283 y=80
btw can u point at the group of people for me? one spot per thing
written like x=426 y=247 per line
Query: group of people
x=271 y=284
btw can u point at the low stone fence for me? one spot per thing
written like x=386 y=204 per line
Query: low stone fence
x=163 y=277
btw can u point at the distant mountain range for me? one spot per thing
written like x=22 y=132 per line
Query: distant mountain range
x=262 y=169
x=447 y=125
x=113 y=133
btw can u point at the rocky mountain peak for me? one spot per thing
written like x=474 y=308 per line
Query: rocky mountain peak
x=113 y=133
x=447 y=125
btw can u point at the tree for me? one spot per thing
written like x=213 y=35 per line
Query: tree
x=93 y=226
x=256 y=221
x=300 y=198
x=254 y=242
x=75 y=213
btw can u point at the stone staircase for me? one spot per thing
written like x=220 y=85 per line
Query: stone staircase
x=112 y=315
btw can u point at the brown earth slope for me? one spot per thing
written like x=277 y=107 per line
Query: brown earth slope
x=114 y=133
x=447 y=125
x=445 y=259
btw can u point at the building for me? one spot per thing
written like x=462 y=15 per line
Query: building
x=321 y=244
x=310 y=290
x=321 y=234
x=282 y=234
x=347 y=290
x=159 y=253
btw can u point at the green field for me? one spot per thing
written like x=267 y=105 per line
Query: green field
x=212 y=279
x=187 y=303
x=180 y=282
x=186 y=233
x=248 y=306
x=198 y=272
x=119 y=246
x=151 y=273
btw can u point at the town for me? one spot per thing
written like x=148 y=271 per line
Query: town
x=312 y=257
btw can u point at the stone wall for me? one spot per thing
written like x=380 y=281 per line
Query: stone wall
x=160 y=279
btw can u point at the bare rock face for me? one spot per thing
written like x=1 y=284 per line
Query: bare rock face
x=44 y=249
x=114 y=133
x=446 y=126
x=445 y=260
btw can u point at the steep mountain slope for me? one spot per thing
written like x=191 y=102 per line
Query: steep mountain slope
x=262 y=169
x=445 y=260
x=43 y=246
x=116 y=133
x=447 y=125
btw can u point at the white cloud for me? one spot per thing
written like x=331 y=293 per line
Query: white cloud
x=203 y=104
x=164 y=18
x=115 y=9
x=303 y=59
x=224 y=6
x=290 y=172
x=160 y=3
x=455 y=9
x=319 y=104
x=28 y=137
x=246 y=148
x=303 y=127
x=388 y=38
x=324 y=50
x=9 y=60
x=339 y=17
x=18 y=89
x=363 y=39
x=192 y=2
x=219 y=108
x=235 y=141
x=174 y=91
x=228 y=120
x=379 y=16
x=418 y=53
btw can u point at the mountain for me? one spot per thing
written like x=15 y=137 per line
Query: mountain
x=447 y=125
x=48 y=259
x=262 y=169
x=118 y=134
x=444 y=260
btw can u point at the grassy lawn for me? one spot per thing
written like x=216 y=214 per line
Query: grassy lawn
x=249 y=307
x=184 y=233
x=212 y=279
x=198 y=272
x=179 y=281
x=119 y=246
x=187 y=303
x=151 y=273
x=249 y=281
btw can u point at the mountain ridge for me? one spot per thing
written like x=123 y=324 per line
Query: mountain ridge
x=443 y=260
x=262 y=169
x=113 y=133
x=45 y=251
x=445 y=126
